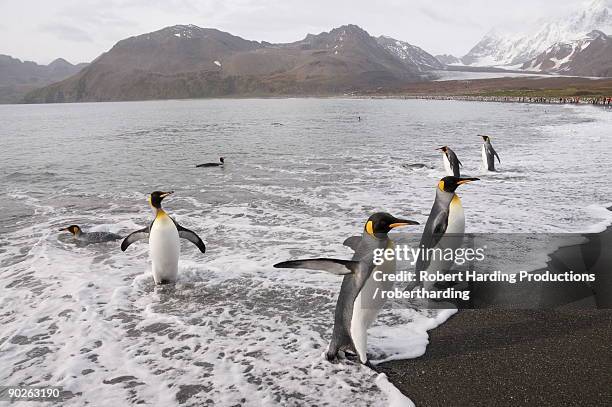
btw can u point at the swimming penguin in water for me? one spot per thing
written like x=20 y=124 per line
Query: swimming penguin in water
x=90 y=237
x=488 y=154
x=451 y=162
x=219 y=164
x=353 y=316
x=445 y=226
x=164 y=246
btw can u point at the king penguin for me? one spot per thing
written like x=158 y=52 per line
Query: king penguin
x=488 y=154
x=164 y=246
x=355 y=309
x=90 y=237
x=445 y=226
x=451 y=162
x=219 y=164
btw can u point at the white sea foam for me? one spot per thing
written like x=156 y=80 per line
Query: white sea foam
x=234 y=330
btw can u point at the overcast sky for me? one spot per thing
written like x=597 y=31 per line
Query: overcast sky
x=80 y=30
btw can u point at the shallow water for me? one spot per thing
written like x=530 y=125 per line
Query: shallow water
x=301 y=176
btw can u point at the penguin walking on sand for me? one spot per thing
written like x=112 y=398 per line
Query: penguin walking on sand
x=488 y=154
x=451 y=162
x=90 y=237
x=445 y=226
x=219 y=164
x=357 y=306
x=164 y=245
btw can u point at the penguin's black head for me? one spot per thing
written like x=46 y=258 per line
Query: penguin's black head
x=157 y=197
x=443 y=149
x=450 y=184
x=222 y=160
x=485 y=138
x=74 y=229
x=382 y=223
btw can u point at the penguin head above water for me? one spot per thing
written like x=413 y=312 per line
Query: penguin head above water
x=222 y=160
x=74 y=229
x=444 y=149
x=485 y=138
x=381 y=223
x=450 y=183
x=156 y=198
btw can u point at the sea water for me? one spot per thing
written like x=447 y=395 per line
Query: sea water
x=301 y=176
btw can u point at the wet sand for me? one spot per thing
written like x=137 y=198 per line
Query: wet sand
x=512 y=358
x=520 y=357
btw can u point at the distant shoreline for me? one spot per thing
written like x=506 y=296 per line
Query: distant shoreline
x=604 y=102
x=506 y=89
x=459 y=98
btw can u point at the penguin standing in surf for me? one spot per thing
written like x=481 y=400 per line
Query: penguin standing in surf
x=356 y=307
x=164 y=245
x=488 y=154
x=445 y=226
x=451 y=162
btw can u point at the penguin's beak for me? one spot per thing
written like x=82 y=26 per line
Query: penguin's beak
x=63 y=230
x=165 y=194
x=401 y=222
x=466 y=180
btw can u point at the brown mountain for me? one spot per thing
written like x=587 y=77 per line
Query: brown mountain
x=191 y=62
x=18 y=78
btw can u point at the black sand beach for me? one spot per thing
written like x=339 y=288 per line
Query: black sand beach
x=512 y=358
x=518 y=357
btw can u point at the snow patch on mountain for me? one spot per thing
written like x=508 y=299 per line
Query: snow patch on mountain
x=410 y=55
x=448 y=59
x=503 y=48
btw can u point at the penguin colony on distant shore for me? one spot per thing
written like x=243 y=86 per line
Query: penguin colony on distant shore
x=351 y=319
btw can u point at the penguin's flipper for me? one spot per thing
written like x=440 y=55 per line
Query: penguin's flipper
x=493 y=152
x=453 y=160
x=334 y=266
x=432 y=237
x=352 y=242
x=190 y=235
x=134 y=237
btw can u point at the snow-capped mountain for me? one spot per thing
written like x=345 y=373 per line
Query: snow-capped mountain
x=506 y=49
x=411 y=55
x=448 y=59
x=557 y=57
x=589 y=56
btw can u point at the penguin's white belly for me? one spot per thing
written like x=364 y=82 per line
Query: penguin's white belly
x=360 y=322
x=366 y=308
x=485 y=162
x=456 y=217
x=164 y=247
x=447 y=165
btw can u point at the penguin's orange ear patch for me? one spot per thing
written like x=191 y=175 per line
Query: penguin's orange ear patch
x=441 y=185
x=369 y=227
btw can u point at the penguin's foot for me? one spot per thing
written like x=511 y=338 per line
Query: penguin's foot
x=331 y=357
x=353 y=357
x=162 y=282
